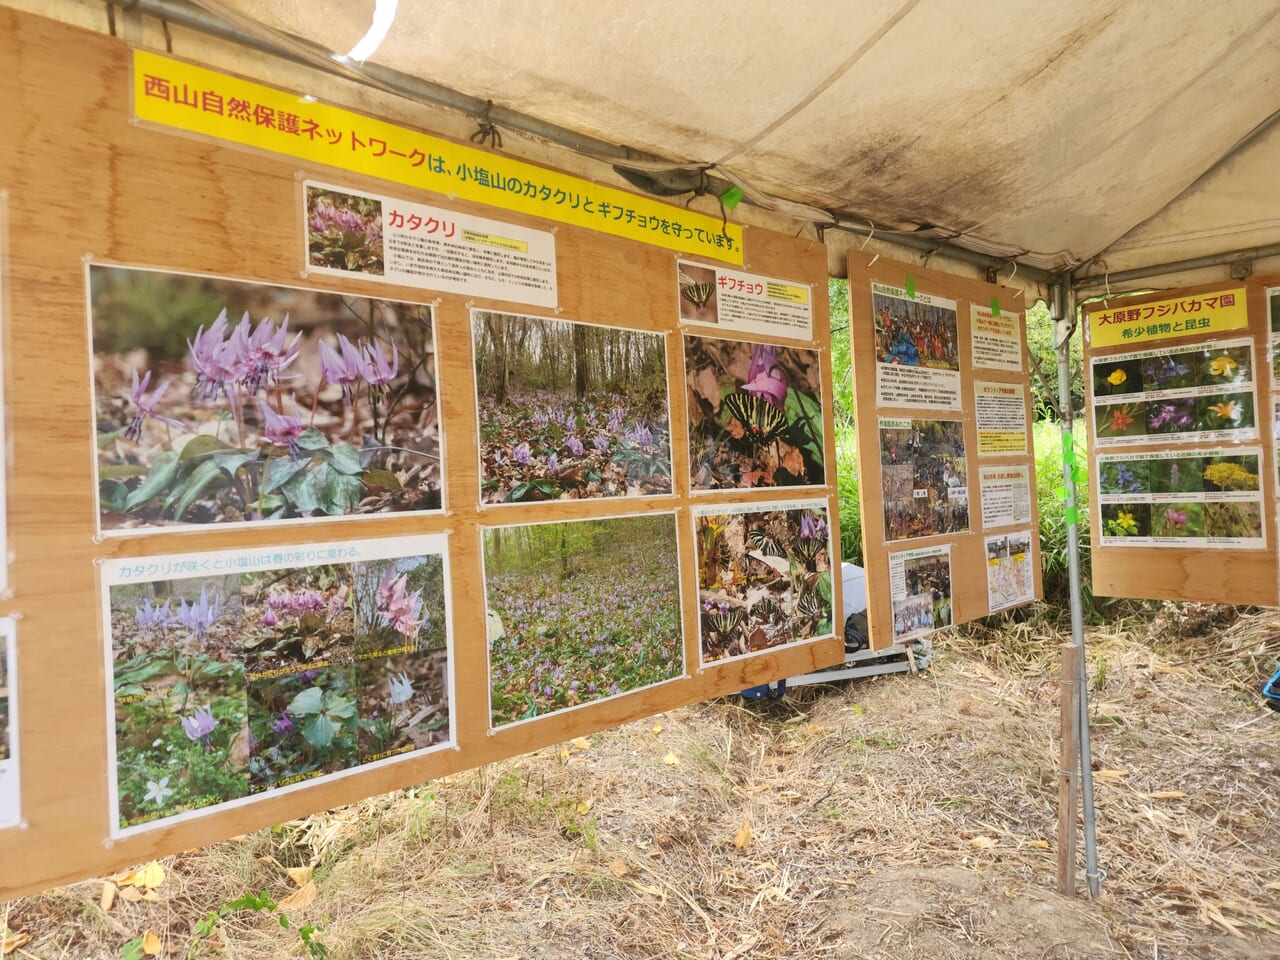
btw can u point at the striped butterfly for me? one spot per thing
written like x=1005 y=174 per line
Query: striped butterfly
x=765 y=609
x=699 y=294
x=761 y=421
x=725 y=623
x=809 y=549
x=765 y=543
x=810 y=605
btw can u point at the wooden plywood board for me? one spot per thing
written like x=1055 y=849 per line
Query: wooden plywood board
x=968 y=552
x=1207 y=574
x=84 y=182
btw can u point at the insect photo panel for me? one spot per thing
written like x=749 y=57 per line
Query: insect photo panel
x=221 y=401
x=755 y=415
x=764 y=577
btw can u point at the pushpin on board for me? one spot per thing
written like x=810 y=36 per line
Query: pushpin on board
x=731 y=197
x=911 y=286
x=995 y=306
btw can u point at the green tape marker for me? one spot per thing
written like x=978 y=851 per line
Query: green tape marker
x=1060 y=492
x=1071 y=515
x=995 y=306
x=911 y=286
x=731 y=197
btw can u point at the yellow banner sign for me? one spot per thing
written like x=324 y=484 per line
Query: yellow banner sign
x=1203 y=313
x=172 y=93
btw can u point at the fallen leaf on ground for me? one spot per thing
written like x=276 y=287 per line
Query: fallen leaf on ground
x=619 y=868
x=1039 y=844
x=582 y=806
x=671 y=760
x=151 y=944
x=300 y=898
x=300 y=875
x=1165 y=795
x=656 y=729
x=108 y=896
x=150 y=876
x=1111 y=774
x=11 y=940
x=582 y=743
x=130 y=894
x=743 y=836
x=984 y=843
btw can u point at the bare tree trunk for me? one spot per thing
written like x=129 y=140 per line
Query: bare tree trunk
x=497 y=337
x=580 y=360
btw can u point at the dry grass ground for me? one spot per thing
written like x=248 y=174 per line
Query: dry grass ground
x=904 y=817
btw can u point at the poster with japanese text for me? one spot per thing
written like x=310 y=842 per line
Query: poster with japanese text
x=996 y=340
x=1272 y=295
x=223 y=402
x=1001 y=412
x=1210 y=498
x=414 y=245
x=1010 y=578
x=580 y=611
x=236 y=673
x=917 y=359
x=755 y=415
x=920 y=591
x=743 y=302
x=10 y=788
x=1220 y=311
x=1005 y=495
x=4 y=439
x=764 y=576
x=569 y=410
x=1203 y=393
x=924 y=478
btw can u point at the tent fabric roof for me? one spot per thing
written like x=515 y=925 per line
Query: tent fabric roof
x=1040 y=130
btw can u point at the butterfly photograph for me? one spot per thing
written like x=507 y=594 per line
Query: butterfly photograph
x=764 y=577
x=755 y=415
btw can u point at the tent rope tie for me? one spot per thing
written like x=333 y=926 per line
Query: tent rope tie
x=872 y=227
x=487 y=132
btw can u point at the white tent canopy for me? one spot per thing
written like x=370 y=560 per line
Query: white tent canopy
x=1050 y=132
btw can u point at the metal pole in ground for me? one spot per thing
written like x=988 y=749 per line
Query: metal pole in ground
x=1068 y=772
x=1064 y=325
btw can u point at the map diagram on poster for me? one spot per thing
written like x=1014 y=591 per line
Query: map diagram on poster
x=917 y=364
x=237 y=673
x=924 y=478
x=1194 y=394
x=920 y=588
x=1010 y=578
x=411 y=244
x=1182 y=498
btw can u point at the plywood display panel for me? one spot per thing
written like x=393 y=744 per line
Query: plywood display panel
x=1167 y=417
x=914 y=483
x=85 y=185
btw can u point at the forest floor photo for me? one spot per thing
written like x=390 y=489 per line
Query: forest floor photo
x=910 y=817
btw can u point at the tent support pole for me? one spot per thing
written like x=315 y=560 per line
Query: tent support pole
x=1064 y=325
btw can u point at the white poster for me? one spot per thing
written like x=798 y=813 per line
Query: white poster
x=1001 y=412
x=997 y=341
x=237 y=674
x=1198 y=394
x=917 y=363
x=10 y=791
x=1005 y=492
x=743 y=302
x=1202 y=498
x=1010 y=576
x=381 y=238
x=920 y=588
